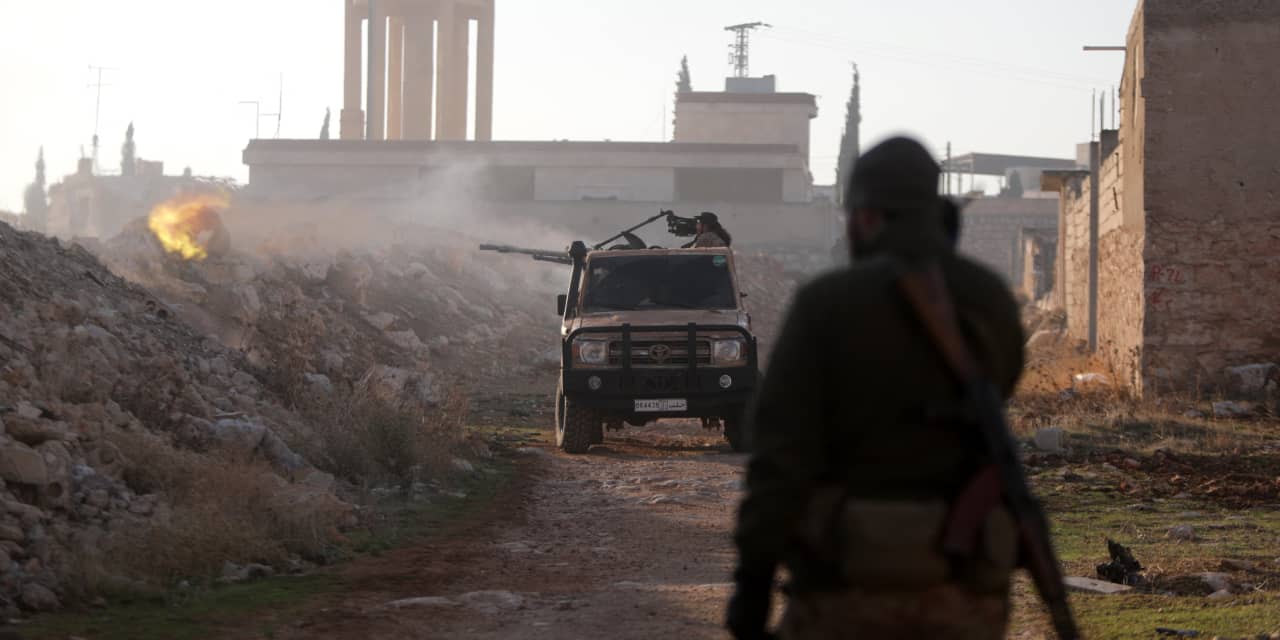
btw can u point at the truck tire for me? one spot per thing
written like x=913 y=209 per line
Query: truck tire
x=576 y=427
x=735 y=431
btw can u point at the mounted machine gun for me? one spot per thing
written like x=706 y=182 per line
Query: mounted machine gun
x=676 y=225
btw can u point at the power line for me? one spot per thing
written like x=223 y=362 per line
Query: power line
x=934 y=59
x=839 y=39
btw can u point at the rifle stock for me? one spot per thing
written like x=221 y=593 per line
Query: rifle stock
x=925 y=288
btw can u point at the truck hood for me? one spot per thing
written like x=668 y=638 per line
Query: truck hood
x=674 y=317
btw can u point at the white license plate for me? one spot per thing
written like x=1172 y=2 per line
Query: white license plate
x=661 y=406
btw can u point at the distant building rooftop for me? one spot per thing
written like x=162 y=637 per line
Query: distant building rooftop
x=540 y=146
x=994 y=164
x=718 y=97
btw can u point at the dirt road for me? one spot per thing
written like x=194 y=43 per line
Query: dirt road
x=630 y=541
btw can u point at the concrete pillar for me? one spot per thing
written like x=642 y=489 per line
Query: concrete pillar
x=451 y=101
x=352 y=117
x=484 y=74
x=377 y=82
x=419 y=76
x=395 y=78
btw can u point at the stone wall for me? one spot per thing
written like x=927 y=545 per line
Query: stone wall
x=1120 y=309
x=1204 y=116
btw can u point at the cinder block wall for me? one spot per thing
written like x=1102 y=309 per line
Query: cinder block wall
x=992 y=237
x=1074 y=283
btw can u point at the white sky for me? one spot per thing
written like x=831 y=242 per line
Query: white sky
x=987 y=75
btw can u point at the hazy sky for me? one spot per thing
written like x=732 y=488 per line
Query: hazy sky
x=988 y=75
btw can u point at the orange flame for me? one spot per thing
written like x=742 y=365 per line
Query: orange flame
x=181 y=222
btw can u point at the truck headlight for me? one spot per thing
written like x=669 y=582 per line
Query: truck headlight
x=591 y=352
x=727 y=351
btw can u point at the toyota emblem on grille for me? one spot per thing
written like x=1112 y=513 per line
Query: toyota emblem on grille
x=660 y=353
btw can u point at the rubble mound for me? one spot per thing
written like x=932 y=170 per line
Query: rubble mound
x=769 y=286
x=421 y=310
x=114 y=415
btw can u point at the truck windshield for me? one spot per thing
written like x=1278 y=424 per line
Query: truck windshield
x=658 y=282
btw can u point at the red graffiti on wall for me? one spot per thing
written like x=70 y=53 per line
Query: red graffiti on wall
x=1157 y=297
x=1166 y=274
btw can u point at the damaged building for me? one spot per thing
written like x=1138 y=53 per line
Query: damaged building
x=1166 y=261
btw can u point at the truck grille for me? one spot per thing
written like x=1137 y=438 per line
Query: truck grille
x=661 y=353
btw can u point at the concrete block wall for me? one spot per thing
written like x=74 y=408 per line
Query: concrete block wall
x=1074 y=293
x=1121 y=312
x=992 y=237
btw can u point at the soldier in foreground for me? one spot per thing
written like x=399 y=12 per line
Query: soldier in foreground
x=861 y=445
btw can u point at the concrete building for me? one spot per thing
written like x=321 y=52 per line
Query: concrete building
x=761 y=191
x=1170 y=253
x=88 y=205
x=417 y=67
x=742 y=153
x=992 y=229
x=745 y=118
x=1003 y=166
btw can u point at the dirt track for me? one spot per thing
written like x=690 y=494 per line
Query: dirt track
x=630 y=541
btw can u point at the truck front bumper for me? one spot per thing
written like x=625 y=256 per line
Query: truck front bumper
x=617 y=391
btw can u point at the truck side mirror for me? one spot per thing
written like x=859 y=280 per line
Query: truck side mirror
x=562 y=301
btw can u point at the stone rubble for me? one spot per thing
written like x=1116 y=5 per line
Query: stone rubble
x=84 y=356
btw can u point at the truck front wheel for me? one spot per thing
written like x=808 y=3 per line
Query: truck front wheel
x=577 y=428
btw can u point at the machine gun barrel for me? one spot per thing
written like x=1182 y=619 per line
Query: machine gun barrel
x=541 y=255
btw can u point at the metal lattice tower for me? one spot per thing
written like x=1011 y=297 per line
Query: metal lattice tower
x=740 y=49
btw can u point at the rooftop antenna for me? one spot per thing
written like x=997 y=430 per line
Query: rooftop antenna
x=279 y=107
x=741 y=47
x=257 y=117
x=97 y=108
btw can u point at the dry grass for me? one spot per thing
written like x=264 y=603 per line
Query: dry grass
x=220 y=511
x=370 y=442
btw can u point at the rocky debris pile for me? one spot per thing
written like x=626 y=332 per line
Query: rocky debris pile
x=91 y=365
x=769 y=287
x=398 y=317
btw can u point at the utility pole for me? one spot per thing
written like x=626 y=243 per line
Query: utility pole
x=741 y=48
x=97 y=109
x=947 y=173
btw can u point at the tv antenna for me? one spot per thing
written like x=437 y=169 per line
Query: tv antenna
x=740 y=49
x=258 y=115
x=279 y=107
x=97 y=108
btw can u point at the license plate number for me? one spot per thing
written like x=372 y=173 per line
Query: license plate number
x=661 y=406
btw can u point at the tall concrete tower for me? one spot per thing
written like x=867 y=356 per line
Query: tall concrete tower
x=417 y=66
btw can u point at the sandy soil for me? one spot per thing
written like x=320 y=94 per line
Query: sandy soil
x=629 y=541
